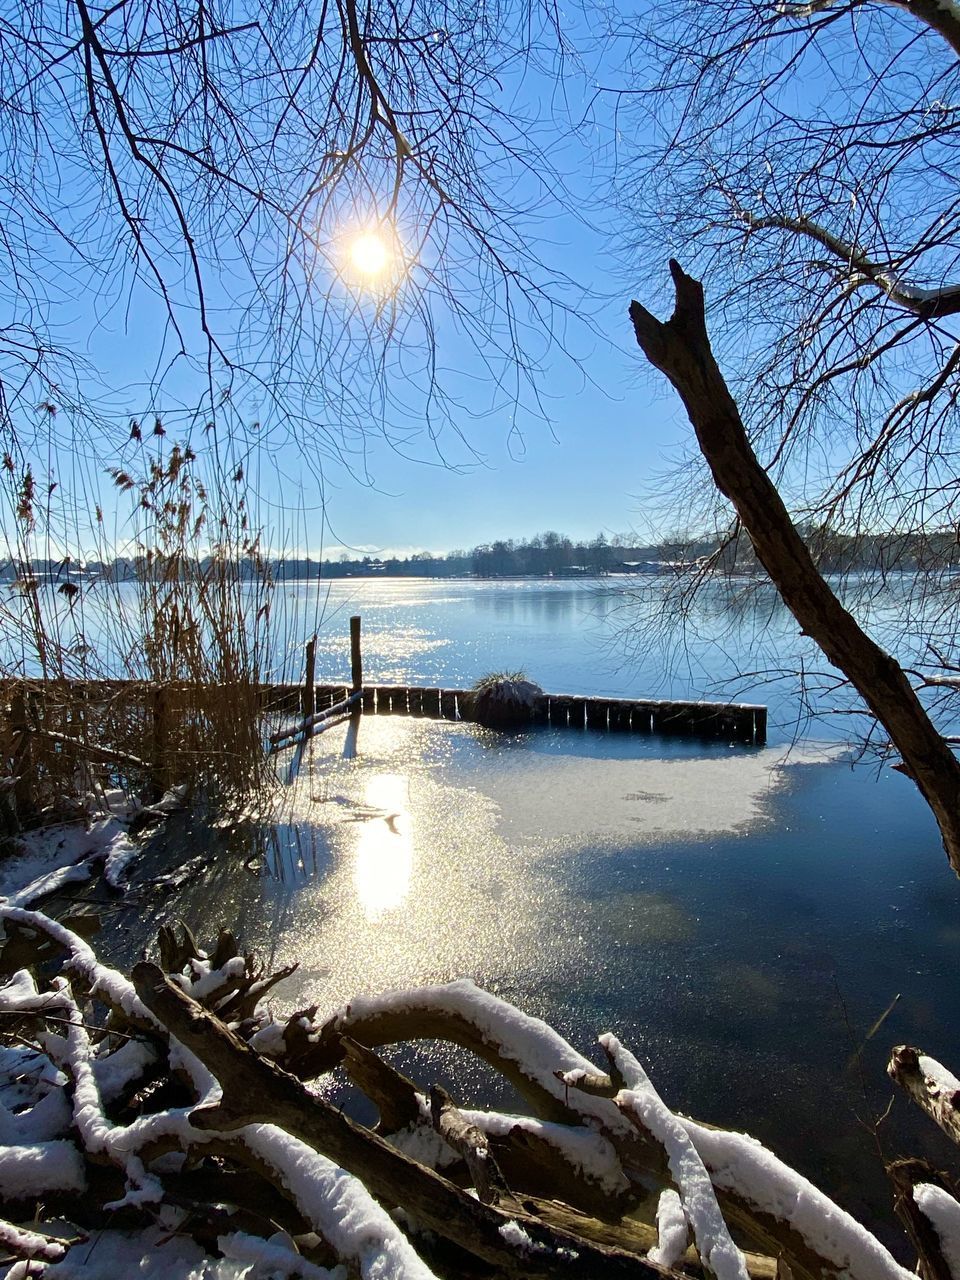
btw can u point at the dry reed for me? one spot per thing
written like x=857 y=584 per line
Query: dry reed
x=152 y=673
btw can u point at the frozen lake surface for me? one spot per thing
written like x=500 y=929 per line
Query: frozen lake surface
x=739 y=916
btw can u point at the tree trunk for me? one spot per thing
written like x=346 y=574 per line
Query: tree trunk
x=680 y=348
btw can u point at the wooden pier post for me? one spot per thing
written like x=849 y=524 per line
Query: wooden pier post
x=356 y=666
x=356 y=661
x=161 y=771
x=309 y=697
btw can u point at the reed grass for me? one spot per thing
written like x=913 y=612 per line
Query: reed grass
x=146 y=682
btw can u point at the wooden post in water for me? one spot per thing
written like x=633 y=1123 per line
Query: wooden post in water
x=356 y=664
x=161 y=741
x=308 y=698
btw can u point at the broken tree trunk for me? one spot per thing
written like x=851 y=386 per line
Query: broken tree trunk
x=905 y=1175
x=932 y=1087
x=680 y=348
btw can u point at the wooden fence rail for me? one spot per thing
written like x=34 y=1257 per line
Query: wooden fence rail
x=732 y=721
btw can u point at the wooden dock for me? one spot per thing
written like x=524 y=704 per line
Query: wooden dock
x=729 y=721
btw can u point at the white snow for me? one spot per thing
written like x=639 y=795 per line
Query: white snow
x=944 y=1213
x=939 y=1081
x=203 y=979
x=48 y=1118
x=421 y=1142
x=515 y=1235
x=269 y=1040
x=39 y=1168
x=19 y=991
x=120 y=853
x=339 y=1207
x=115 y=1071
x=673 y=1232
x=273 y=1259
x=586 y=1149
x=150 y=1255
x=713 y=1240
x=53 y=856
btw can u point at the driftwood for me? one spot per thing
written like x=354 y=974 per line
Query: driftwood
x=108 y=754
x=905 y=1175
x=931 y=1086
x=555 y=1100
x=554 y=1197
x=309 y=724
x=394 y=1096
x=256 y=1091
x=471 y=1144
x=324 y=1051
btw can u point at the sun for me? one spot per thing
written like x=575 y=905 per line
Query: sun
x=369 y=255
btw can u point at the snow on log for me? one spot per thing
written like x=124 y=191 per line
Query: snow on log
x=256 y=1090
x=930 y=1085
x=111 y=987
x=641 y=1102
x=790 y=1218
x=523 y=1048
x=742 y=1166
x=673 y=1230
x=943 y=1212
x=29 y=1244
x=585 y=1152
x=338 y=1205
x=470 y=1143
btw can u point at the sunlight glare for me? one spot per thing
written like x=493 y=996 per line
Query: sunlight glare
x=384 y=859
x=369 y=255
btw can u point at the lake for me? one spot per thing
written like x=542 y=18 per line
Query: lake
x=740 y=916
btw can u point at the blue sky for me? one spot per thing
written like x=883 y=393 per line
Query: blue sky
x=576 y=453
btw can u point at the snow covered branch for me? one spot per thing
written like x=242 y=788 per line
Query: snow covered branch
x=928 y=303
x=173 y=1113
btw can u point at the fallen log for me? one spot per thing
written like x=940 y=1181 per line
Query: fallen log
x=110 y=755
x=257 y=1091
x=278 y=740
x=906 y=1176
x=519 y=1047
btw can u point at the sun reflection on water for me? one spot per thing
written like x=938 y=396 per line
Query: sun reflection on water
x=384 y=857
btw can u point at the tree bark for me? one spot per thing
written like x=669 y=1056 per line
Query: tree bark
x=931 y=1089
x=904 y=1175
x=680 y=348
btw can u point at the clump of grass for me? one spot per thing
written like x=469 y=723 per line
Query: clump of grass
x=503 y=700
x=204 y=593
x=497 y=677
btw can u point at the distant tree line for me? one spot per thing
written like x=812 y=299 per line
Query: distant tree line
x=553 y=554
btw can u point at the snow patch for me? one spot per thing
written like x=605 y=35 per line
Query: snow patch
x=944 y=1213
x=39 y=1168
x=714 y=1243
x=673 y=1232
